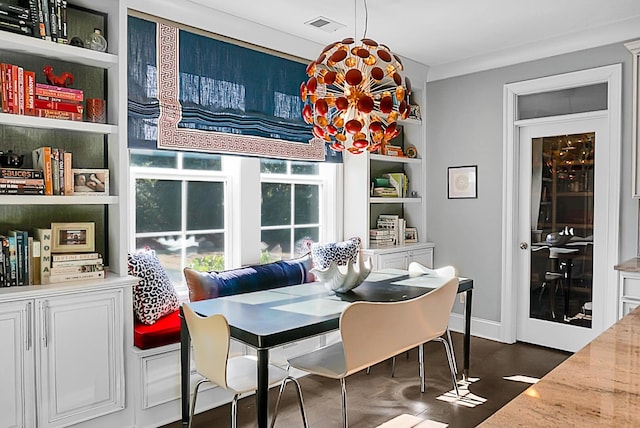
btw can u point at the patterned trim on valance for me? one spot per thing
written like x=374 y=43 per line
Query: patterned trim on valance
x=172 y=137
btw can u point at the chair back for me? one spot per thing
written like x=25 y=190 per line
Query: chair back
x=210 y=340
x=375 y=331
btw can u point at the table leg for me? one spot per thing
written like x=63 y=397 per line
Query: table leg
x=567 y=290
x=262 y=393
x=467 y=334
x=185 y=357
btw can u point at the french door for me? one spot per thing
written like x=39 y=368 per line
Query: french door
x=562 y=228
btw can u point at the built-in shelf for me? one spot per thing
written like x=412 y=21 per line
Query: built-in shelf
x=57 y=200
x=59 y=124
x=33 y=46
x=391 y=200
x=396 y=159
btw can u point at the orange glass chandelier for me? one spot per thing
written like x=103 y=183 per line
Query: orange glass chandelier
x=355 y=95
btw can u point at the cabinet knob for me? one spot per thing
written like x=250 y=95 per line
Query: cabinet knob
x=524 y=245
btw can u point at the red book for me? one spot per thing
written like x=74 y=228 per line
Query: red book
x=14 y=80
x=60 y=106
x=8 y=82
x=57 y=114
x=57 y=100
x=20 y=82
x=29 y=92
x=3 y=87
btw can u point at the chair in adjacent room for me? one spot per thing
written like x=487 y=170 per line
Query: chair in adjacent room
x=393 y=327
x=210 y=339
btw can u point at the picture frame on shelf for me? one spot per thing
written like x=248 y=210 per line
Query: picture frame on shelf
x=89 y=181
x=462 y=182
x=410 y=235
x=73 y=237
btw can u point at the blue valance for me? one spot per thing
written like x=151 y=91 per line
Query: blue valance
x=188 y=91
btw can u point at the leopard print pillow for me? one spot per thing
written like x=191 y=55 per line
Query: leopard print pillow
x=339 y=252
x=154 y=296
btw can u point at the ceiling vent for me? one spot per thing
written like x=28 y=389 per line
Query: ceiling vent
x=325 y=24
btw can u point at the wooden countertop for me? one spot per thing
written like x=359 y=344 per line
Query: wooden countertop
x=631 y=265
x=597 y=386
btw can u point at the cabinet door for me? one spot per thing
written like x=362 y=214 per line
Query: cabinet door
x=16 y=355
x=392 y=261
x=424 y=257
x=81 y=352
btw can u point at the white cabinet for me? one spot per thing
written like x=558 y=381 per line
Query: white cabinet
x=629 y=283
x=64 y=351
x=634 y=48
x=401 y=257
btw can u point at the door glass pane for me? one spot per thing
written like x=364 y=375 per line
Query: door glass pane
x=562 y=195
x=565 y=101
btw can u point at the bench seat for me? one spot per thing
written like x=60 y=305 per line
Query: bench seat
x=163 y=332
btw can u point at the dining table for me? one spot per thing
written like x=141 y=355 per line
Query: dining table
x=275 y=317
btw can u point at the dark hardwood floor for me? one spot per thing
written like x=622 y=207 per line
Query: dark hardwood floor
x=376 y=398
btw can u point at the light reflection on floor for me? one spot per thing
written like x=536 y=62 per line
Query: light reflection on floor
x=522 y=378
x=467 y=398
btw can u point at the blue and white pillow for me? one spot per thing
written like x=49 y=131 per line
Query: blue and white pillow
x=341 y=253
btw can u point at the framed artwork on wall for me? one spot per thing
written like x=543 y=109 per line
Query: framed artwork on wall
x=462 y=182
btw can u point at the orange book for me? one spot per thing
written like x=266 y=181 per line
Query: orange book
x=20 y=83
x=29 y=92
x=3 y=87
x=14 y=91
x=68 y=174
x=42 y=160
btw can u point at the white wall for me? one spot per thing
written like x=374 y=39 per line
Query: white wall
x=465 y=126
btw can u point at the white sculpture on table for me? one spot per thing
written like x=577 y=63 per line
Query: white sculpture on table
x=335 y=264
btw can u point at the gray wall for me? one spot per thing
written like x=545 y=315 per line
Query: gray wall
x=465 y=127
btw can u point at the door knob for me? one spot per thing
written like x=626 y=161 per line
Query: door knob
x=524 y=246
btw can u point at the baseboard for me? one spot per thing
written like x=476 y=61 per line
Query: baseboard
x=486 y=329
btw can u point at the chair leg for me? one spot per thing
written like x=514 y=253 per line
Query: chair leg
x=234 y=411
x=195 y=396
x=449 y=357
x=393 y=366
x=300 y=402
x=343 y=385
x=421 y=366
x=453 y=353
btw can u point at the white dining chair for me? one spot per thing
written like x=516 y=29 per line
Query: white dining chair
x=372 y=332
x=210 y=340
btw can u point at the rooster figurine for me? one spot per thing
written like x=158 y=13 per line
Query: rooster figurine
x=64 y=79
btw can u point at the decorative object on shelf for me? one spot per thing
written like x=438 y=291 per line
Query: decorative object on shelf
x=11 y=160
x=95 y=41
x=355 y=94
x=91 y=182
x=462 y=182
x=414 y=113
x=72 y=237
x=96 y=110
x=76 y=41
x=336 y=279
x=411 y=152
x=63 y=80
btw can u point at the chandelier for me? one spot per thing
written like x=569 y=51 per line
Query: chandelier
x=355 y=95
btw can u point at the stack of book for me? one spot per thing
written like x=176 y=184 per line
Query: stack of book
x=17 y=19
x=56 y=167
x=392 y=185
x=395 y=225
x=381 y=237
x=21 y=181
x=57 y=102
x=75 y=267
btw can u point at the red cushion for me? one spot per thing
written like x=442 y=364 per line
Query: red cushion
x=163 y=332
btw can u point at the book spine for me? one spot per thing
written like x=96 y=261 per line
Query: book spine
x=20 y=191
x=57 y=100
x=63 y=16
x=14 y=85
x=77 y=269
x=13 y=261
x=20 y=173
x=3 y=87
x=44 y=6
x=55 y=171
x=53 y=20
x=13 y=8
x=57 y=114
x=60 y=106
x=74 y=256
x=42 y=160
x=74 y=263
x=3 y=281
x=15 y=28
x=76 y=276
x=58 y=89
x=61 y=170
x=44 y=236
x=68 y=174
x=20 y=82
x=9 y=87
x=37 y=18
x=20 y=255
x=22 y=20
x=23 y=181
x=35 y=261
x=29 y=92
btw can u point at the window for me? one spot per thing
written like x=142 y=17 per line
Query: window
x=291 y=207
x=180 y=210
